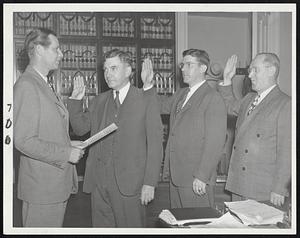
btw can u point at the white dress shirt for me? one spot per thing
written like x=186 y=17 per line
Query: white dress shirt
x=192 y=90
x=265 y=93
x=122 y=92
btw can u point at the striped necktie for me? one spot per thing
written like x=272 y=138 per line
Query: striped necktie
x=117 y=100
x=180 y=103
x=52 y=88
x=253 y=105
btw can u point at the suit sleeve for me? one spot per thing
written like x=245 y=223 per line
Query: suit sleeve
x=232 y=103
x=27 y=111
x=282 y=175
x=165 y=102
x=80 y=121
x=154 y=131
x=215 y=120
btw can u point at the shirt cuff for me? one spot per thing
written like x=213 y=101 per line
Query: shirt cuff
x=147 y=88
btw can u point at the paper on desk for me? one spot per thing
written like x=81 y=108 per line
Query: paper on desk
x=169 y=218
x=107 y=130
x=252 y=212
x=225 y=221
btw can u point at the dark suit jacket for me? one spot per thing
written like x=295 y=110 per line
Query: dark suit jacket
x=138 y=144
x=261 y=156
x=197 y=136
x=41 y=124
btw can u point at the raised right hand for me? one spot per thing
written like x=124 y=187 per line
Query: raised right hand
x=78 y=89
x=147 y=73
x=229 y=70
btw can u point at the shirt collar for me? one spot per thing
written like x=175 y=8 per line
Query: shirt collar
x=196 y=86
x=122 y=92
x=44 y=77
x=266 y=92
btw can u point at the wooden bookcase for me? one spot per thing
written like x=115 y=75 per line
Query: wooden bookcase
x=84 y=38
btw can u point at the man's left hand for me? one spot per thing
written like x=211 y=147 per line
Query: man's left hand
x=277 y=199
x=147 y=194
x=199 y=187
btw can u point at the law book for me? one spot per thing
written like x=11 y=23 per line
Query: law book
x=189 y=216
x=107 y=130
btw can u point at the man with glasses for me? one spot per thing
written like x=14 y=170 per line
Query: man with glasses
x=260 y=165
x=122 y=170
x=47 y=174
x=197 y=132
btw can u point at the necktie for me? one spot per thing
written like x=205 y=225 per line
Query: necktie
x=180 y=103
x=253 y=104
x=117 y=100
x=51 y=86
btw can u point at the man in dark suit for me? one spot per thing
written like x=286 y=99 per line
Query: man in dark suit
x=123 y=169
x=41 y=123
x=197 y=132
x=260 y=164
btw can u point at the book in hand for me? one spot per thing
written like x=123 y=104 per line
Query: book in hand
x=189 y=216
x=251 y=212
x=107 y=130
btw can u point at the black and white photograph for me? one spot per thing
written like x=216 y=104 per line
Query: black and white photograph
x=149 y=118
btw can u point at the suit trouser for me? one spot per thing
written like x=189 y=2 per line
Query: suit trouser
x=43 y=215
x=110 y=208
x=181 y=197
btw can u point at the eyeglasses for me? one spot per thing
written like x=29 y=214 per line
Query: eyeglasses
x=256 y=70
x=188 y=64
x=252 y=69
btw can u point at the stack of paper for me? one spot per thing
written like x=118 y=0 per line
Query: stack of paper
x=251 y=212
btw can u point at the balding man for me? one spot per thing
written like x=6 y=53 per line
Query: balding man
x=260 y=165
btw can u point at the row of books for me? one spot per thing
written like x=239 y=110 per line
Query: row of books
x=77 y=25
x=78 y=56
x=164 y=83
x=152 y=29
x=23 y=25
x=162 y=58
x=118 y=27
x=67 y=82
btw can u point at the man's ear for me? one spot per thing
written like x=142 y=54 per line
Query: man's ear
x=128 y=71
x=271 y=70
x=39 y=49
x=203 y=68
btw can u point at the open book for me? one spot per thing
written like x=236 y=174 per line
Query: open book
x=251 y=212
x=188 y=216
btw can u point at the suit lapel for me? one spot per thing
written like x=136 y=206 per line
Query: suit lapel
x=102 y=113
x=260 y=108
x=194 y=100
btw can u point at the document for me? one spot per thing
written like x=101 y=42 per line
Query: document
x=189 y=216
x=251 y=212
x=225 y=221
x=107 y=130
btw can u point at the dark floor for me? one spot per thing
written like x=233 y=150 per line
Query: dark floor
x=78 y=212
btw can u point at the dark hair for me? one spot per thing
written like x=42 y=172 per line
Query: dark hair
x=38 y=36
x=272 y=59
x=124 y=57
x=201 y=56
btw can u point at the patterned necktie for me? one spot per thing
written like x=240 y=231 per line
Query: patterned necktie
x=253 y=104
x=117 y=100
x=52 y=88
x=180 y=103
